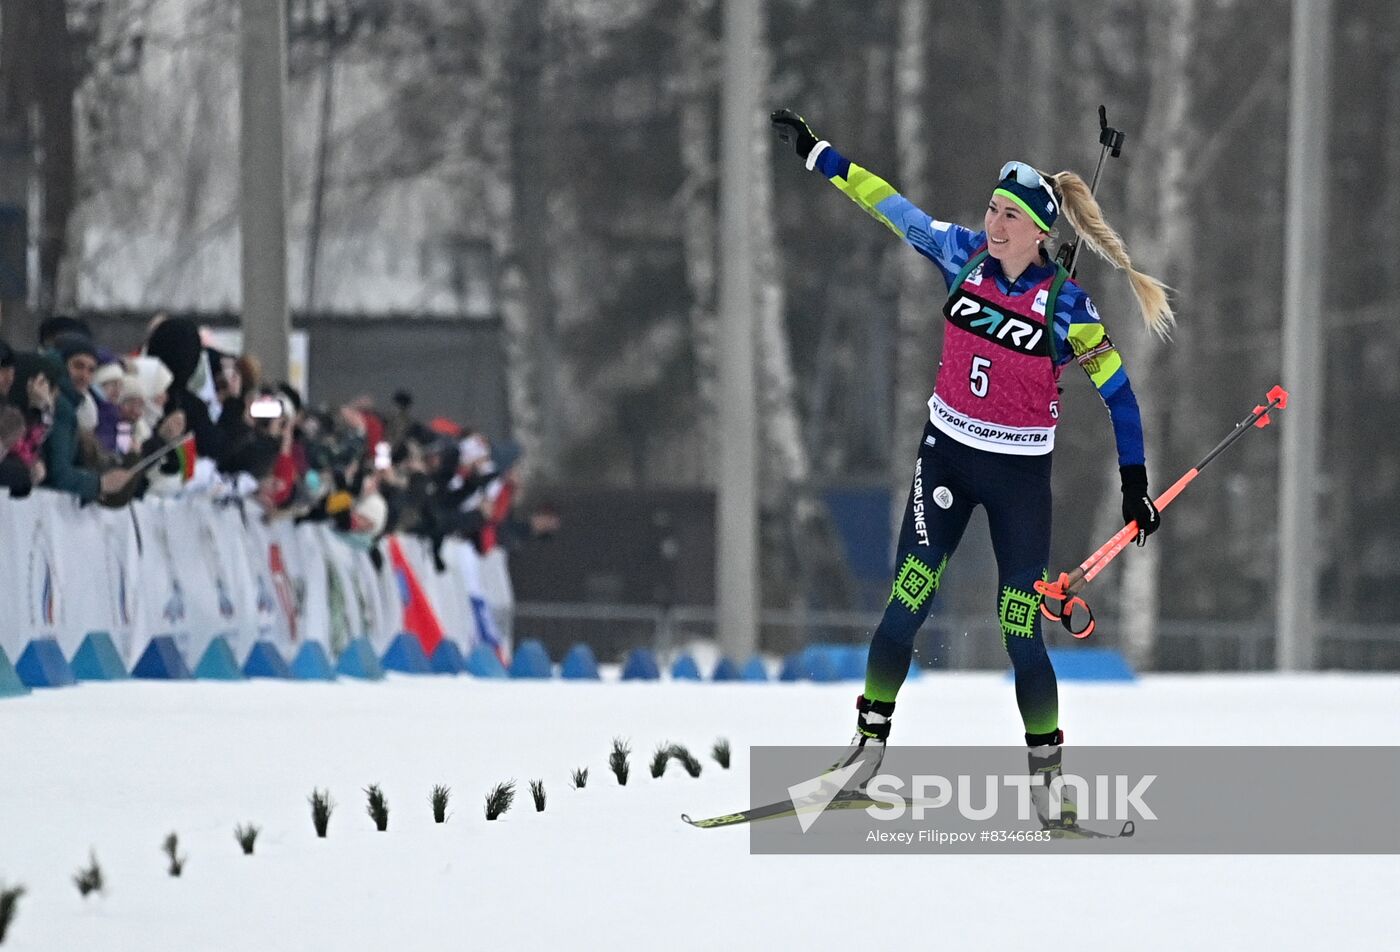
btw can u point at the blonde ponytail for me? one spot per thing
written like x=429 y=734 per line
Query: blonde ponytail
x=1083 y=212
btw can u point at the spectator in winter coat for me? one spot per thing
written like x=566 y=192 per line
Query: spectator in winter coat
x=105 y=390
x=78 y=355
x=155 y=379
x=132 y=428
x=175 y=341
x=61 y=448
x=14 y=475
x=33 y=387
x=7 y=370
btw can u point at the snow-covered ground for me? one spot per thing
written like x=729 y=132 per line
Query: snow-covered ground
x=114 y=768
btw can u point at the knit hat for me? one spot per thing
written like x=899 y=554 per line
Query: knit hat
x=1025 y=186
x=107 y=373
x=155 y=377
x=51 y=327
x=70 y=345
x=131 y=389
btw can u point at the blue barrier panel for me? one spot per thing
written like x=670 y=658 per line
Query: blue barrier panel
x=579 y=664
x=1087 y=664
x=531 y=661
x=265 y=661
x=640 y=665
x=684 y=668
x=1090 y=664
x=162 y=661
x=218 y=663
x=42 y=665
x=405 y=653
x=816 y=663
x=850 y=661
x=359 y=661
x=840 y=662
x=792 y=668
x=97 y=659
x=447 y=658
x=312 y=663
x=726 y=670
x=754 y=670
x=10 y=684
x=482 y=662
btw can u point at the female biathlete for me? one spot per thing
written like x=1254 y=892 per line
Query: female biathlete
x=1015 y=318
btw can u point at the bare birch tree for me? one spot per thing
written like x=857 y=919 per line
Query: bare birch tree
x=917 y=312
x=1160 y=238
x=517 y=328
x=780 y=432
x=697 y=200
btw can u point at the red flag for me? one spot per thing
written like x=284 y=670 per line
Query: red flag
x=185 y=452
x=500 y=508
x=419 y=619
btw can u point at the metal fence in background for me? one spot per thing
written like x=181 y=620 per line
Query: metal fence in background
x=945 y=642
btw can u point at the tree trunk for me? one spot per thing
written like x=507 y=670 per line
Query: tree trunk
x=787 y=461
x=785 y=472
x=17 y=52
x=917 y=309
x=498 y=134
x=1160 y=198
x=531 y=151
x=325 y=122
x=54 y=99
x=697 y=206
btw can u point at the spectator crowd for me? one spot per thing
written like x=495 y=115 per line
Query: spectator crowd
x=181 y=418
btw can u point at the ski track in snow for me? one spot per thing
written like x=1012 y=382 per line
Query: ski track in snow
x=115 y=767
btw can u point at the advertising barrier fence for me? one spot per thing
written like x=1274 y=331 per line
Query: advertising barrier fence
x=195 y=570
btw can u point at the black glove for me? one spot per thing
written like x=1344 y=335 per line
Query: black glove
x=793 y=128
x=1137 y=507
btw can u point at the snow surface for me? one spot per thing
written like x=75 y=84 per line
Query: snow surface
x=115 y=767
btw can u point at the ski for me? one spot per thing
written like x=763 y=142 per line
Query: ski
x=1077 y=832
x=847 y=800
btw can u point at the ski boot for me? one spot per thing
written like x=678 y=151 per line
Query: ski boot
x=868 y=744
x=1043 y=759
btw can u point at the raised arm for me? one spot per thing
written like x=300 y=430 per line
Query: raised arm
x=947 y=245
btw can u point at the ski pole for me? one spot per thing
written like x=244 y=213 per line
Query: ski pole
x=1112 y=141
x=1065 y=588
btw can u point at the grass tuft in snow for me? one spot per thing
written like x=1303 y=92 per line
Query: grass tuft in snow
x=537 y=792
x=438 y=798
x=580 y=777
x=687 y=759
x=9 y=905
x=500 y=798
x=617 y=760
x=721 y=753
x=659 y=758
x=321 y=808
x=171 y=848
x=88 y=878
x=377 y=807
x=246 y=835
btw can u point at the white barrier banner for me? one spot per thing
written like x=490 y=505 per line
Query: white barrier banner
x=196 y=569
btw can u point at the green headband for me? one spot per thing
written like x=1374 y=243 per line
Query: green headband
x=1021 y=203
